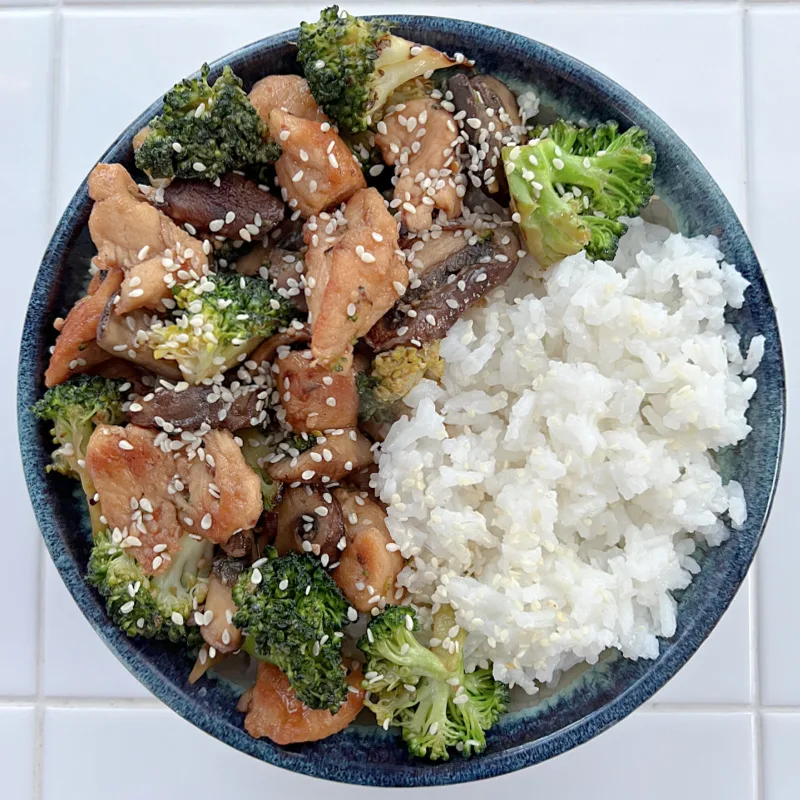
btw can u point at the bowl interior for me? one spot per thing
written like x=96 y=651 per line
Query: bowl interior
x=582 y=705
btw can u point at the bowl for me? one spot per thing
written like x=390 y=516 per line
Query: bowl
x=583 y=704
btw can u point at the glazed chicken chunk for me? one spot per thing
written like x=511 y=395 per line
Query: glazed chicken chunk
x=287 y=92
x=316 y=169
x=419 y=139
x=154 y=495
x=314 y=397
x=132 y=235
x=354 y=274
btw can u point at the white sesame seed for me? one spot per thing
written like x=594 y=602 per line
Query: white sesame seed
x=283 y=585
x=352 y=614
x=321 y=511
x=198 y=166
x=124 y=444
x=308 y=474
x=332 y=161
x=256 y=576
x=206 y=522
x=177 y=618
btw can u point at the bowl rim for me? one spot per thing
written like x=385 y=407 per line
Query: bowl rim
x=456 y=771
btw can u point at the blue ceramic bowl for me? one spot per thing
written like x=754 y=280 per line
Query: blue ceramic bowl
x=584 y=705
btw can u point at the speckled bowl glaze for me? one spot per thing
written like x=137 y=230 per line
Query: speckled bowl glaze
x=582 y=706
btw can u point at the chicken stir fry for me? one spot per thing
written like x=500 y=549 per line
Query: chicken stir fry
x=260 y=304
x=420 y=139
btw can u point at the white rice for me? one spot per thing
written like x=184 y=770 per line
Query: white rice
x=554 y=487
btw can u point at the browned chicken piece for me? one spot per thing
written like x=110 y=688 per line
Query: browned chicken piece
x=218 y=496
x=76 y=349
x=288 y=93
x=332 y=457
x=313 y=397
x=316 y=169
x=131 y=234
x=354 y=274
x=420 y=139
x=274 y=712
x=366 y=568
x=207 y=207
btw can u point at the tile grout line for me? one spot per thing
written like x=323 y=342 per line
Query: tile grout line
x=753 y=597
x=52 y=156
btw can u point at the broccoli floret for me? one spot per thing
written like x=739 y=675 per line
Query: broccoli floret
x=394 y=374
x=570 y=185
x=425 y=692
x=218 y=322
x=154 y=607
x=257 y=450
x=352 y=65
x=291 y=613
x=205 y=131
x=74 y=408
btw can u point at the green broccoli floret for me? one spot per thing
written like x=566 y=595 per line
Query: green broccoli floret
x=352 y=65
x=205 y=131
x=257 y=449
x=370 y=408
x=154 y=607
x=218 y=322
x=425 y=692
x=291 y=613
x=74 y=408
x=570 y=185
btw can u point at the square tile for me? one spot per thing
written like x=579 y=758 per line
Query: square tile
x=719 y=672
x=17 y=752
x=780 y=746
x=25 y=40
x=632 y=753
x=76 y=661
x=773 y=55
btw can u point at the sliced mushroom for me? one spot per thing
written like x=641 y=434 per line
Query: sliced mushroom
x=449 y=295
x=313 y=397
x=494 y=105
x=267 y=350
x=332 y=457
x=239 y=545
x=237 y=208
x=228 y=568
x=266 y=531
x=310 y=521
x=191 y=408
x=126 y=337
x=219 y=631
x=367 y=569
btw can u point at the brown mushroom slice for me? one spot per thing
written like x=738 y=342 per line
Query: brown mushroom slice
x=191 y=408
x=236 y=208
x=332 y=457
x=367 y=569
x=446 y=255
x=494 y=105
x=218 y=630
x=313 y=397
x=437 y=311
x=310 y=521
x=126 y=337
x=268 y=349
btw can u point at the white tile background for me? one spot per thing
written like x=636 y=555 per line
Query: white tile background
x=725 y=75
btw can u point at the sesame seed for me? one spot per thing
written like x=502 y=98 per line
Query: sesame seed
x=177 y=147
x=409 y=623
x=430 y=319
x=399 y=287
x=206 y=522
x=126 y=608
x=474 y=123
x=283 y=585
x=256 y=576
x=216 y=225
x=198 y=166
x=124 y=444
x=352 y=614
x=298 y=176
x=332 y=161
x=177 y=618
x=558 y=163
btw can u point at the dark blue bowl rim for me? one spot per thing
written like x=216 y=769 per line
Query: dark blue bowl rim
x=457 y=771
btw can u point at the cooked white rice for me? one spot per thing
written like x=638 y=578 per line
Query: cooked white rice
x=554 y=487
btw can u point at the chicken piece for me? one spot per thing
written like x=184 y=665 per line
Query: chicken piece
x=366 y=568
x=76 y=349
x=288 y=93
x=132 y=235
x=428 y=178
x=354 y=275
x=332 y=457
x=125 y=464
x=313 y=397
x=316 y=169
x=274 y=712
